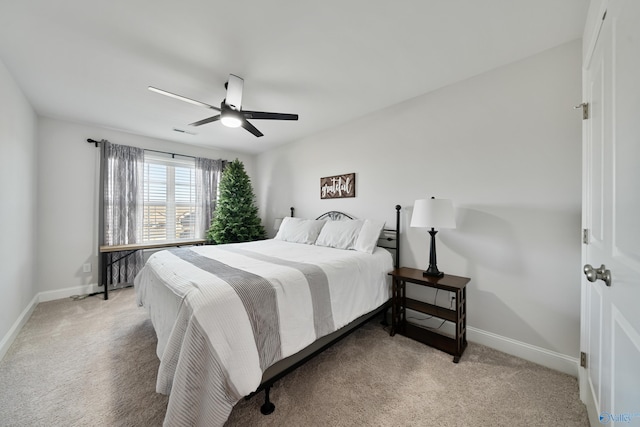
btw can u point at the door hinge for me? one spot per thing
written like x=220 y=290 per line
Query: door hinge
x=583 y=359
x=585 y=236
x=585 y=110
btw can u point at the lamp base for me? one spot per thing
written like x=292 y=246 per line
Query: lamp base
x=432 y=271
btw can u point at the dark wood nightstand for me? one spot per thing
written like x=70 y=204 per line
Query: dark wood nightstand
x=400 y=302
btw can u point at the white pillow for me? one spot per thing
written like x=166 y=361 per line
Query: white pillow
x=299 y=230
x=340 y=234
x=369 y=235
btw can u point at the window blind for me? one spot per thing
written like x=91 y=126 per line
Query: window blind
x=169 y=198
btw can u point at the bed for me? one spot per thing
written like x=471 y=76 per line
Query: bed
x=233 y=319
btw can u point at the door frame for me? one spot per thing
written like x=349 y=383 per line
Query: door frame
x=591 y=34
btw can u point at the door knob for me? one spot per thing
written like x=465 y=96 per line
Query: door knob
x=598 y=274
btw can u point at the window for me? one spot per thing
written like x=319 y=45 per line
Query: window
x=169 y=198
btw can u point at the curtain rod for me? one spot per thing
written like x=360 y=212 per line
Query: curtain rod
x=173 y=155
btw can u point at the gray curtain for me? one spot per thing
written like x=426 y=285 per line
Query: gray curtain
x=208 y=173
x=123 y=209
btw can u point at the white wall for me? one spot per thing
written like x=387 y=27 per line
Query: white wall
x=18 y=211
x=506 y=147
x=68 y=199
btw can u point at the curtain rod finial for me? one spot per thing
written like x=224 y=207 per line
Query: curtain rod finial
x=93 y=141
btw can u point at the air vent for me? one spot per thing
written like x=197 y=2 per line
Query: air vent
x=184 y=131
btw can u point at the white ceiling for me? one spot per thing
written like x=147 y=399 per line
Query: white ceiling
x=330 y=61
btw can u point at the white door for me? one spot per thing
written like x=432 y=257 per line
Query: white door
x=610 y=383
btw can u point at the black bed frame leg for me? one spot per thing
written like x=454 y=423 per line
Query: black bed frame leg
x=267 y=407
x=384 y=317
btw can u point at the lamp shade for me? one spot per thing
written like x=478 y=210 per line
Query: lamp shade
x=433 y=213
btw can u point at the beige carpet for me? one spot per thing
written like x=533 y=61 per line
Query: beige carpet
x=92 y=363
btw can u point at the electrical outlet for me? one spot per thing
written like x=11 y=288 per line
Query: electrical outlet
x=86 y=268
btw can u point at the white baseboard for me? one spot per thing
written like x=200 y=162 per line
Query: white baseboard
x=68 y=292
x=541 y=356
x=10 y=337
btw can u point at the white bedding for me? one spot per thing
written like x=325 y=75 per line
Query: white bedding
x=217 y=333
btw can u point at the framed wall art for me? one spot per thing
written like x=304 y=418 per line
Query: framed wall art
x=338 y=186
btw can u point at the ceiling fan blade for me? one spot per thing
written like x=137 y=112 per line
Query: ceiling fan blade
x=263 y=115
x=234 y=92
x=205 y=121
x=182 y=98
x=251 y=128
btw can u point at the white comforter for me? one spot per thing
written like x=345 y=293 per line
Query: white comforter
x=223 y=314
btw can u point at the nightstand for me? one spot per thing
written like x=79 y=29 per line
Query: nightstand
x=400 y=302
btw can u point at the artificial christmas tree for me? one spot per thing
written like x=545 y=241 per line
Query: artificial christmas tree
x=236 y=216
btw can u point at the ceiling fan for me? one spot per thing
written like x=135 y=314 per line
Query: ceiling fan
x=231 y=113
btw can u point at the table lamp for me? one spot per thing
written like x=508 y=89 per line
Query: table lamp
x=433 y=213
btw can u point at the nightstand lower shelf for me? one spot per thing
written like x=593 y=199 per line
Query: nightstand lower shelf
x=434 y=339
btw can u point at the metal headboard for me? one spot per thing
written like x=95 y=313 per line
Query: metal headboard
x=389 y=238
x=334 y=216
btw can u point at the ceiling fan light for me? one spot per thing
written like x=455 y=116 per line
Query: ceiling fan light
x=231 y=118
